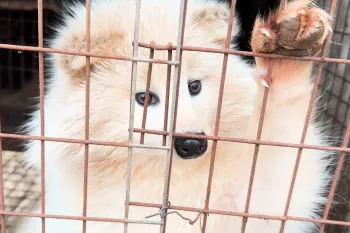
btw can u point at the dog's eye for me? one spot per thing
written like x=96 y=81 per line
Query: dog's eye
x=141 y=98
x=194 y=87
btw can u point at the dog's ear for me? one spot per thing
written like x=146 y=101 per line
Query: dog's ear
x=213 y=20
x=104 y=41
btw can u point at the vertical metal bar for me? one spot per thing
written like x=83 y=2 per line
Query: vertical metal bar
x=87 y=109
x=218 y=112
x=342 y=89
x=167 y=92
x=2 y=202
x=257 y=146
x=173 y=108
x=307 y=121
x=333 y=46
x=42 y=115
x=132 y=109
x=148 y=84
x=335 y=178
x=337 y=64
x=347 y=71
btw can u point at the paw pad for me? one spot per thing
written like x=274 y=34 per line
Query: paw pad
x=294 y=31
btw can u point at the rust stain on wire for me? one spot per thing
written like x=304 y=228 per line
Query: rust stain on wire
x=79 y=53
x=132 y=109
x=337 y=107
x=148 y=84
x=173 y=110
x=183 y=48
x=219 y=138
x=257 y=146
x=238 y=214
x=218 y=111
x=79 y=218
x=167 y=93
x=251 y=54
x=87 y=110
x=335 y=178
x=42 y=110
x=307 y=121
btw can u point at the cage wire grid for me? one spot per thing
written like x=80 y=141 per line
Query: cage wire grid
x=337 y=97
x=167 y=143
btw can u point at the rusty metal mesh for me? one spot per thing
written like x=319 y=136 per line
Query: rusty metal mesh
x=17 y=75
x=337 y=100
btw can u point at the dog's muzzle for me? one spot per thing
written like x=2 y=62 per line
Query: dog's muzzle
x=190 y=148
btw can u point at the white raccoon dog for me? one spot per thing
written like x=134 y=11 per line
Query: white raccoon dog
x=112 y=32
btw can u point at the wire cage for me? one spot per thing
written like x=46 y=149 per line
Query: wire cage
x=24 y=25
x=337 y=96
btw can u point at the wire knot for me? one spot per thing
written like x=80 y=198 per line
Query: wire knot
x=163 y=212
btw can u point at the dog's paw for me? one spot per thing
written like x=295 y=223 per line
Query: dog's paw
x=295 y=30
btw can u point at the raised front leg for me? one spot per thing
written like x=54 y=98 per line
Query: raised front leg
x=297 y=29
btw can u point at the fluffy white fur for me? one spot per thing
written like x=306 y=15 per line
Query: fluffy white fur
x=112 y=27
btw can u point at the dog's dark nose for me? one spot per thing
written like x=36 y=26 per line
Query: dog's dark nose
x=190 y=148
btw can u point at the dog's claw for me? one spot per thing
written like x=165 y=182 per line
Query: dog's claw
x=265 y=32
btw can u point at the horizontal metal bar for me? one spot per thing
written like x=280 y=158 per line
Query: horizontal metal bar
x=184 y=48
x=89 y=54
x=150 y=147
x=244 y=53
x=67 y=140
x=246 y=141
x=219 y=138
x=81 y=141
x=69 y=217
x=238 y=214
